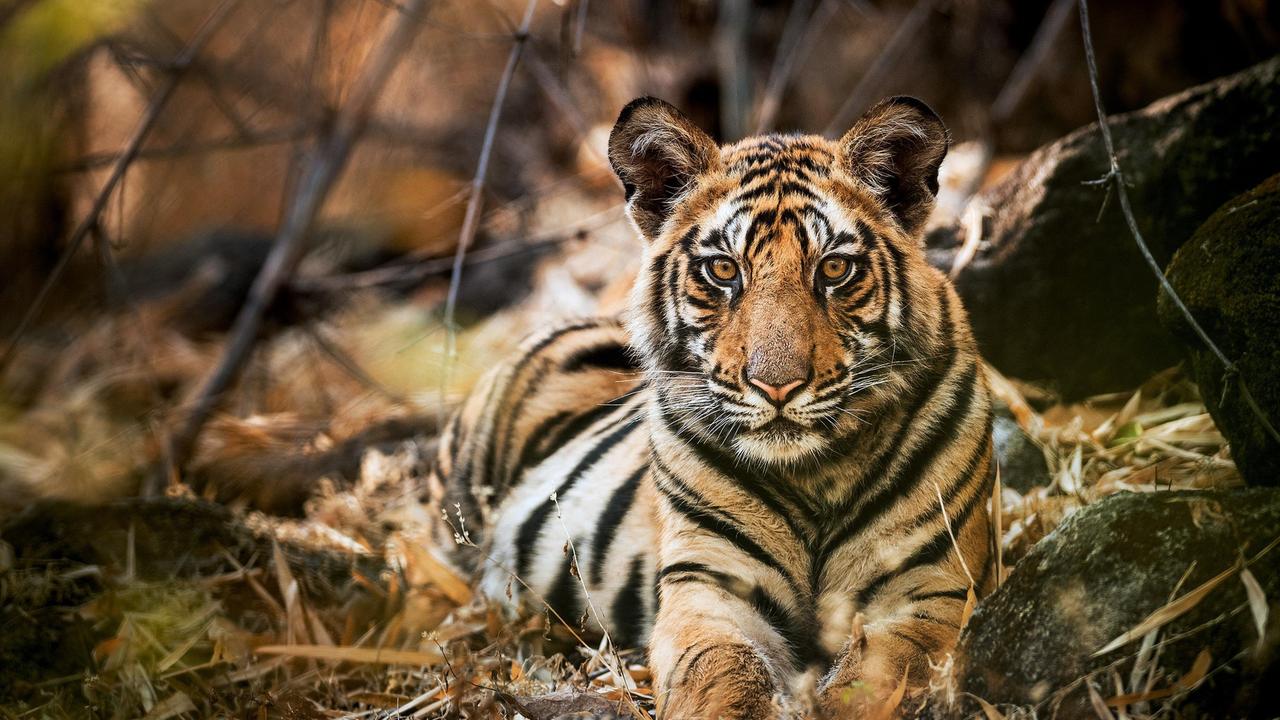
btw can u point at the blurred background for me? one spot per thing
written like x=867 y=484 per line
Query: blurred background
x=116 y=292
x=254 y=250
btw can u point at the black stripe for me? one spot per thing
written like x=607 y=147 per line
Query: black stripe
x=607 y=525
x=563 y=596
x=924 y=649
x=902 y=286
x=950 y=594
x=792 y=632
x=927 y=554
x=694 y=568
x=541 y=446
x=628 y=608
x=715 y=523
x=609 y=356
x=534 y=451
x=922 y=456
x=493 y=452
x=531 y=528
x=769 y=491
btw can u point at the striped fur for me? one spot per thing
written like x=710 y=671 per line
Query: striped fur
x=749 y=538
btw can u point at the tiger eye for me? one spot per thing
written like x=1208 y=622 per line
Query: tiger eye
x=723 y=269
x=834 y=268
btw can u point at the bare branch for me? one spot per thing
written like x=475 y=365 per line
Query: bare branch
x=236 y=142
x=324 y=168
x=1031 y=62
x=203 y=34
x=799 y=36
x=904 y=37
x=471 y=220
x=1115 y=179
x=734 y=64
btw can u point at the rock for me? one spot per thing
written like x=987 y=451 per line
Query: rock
x=1022 y=463
x=1104 y=570
x=1228 y=275
x=1059 y=294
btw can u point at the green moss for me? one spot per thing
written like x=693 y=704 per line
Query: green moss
x=1228 y=274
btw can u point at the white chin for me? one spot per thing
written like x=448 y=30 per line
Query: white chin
x=778 y=448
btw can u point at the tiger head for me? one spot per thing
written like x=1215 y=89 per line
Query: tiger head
x=784 y=297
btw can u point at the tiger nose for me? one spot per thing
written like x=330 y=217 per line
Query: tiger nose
x=777 y=393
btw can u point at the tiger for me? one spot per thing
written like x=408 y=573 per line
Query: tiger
x=776 y=464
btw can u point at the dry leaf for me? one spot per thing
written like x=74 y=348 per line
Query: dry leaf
x=1257 y=602
x=969 y=603
x=441 y=576
x=1169 y=612
x=172 y=706
x=1198 y=670
x=1099 y=706
x=989 y=710
x=371 y=656
x=889 y=708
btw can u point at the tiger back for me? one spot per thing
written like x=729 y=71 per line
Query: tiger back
x=778 y=466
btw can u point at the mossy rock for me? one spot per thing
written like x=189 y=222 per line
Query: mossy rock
x=1228 y=275
x=1058 y=292
x=1029 y=648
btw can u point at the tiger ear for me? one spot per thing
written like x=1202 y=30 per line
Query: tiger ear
x=895 y=150
x=657 y=152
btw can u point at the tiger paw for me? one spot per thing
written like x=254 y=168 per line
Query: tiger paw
x=726 y=681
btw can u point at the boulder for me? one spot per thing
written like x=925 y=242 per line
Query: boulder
x=1228 y=275
x=1057 y=291
x=1031 y=645
x=1022 y=463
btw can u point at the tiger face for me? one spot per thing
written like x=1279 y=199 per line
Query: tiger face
x=774 y=310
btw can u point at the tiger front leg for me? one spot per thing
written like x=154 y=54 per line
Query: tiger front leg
x=871 y=668
x=712 y=655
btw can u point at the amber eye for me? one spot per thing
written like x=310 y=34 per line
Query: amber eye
x=722 y=269
x=834 y=269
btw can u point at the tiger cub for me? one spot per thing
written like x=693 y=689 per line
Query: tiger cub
x=779 y=465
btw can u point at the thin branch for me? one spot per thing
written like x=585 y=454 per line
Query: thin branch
x=798 y=38
x=116 y=281
x=149 y=119
x=340 y=358
x=471 y=220
x=1115 y=179
x=235 y=142
x=203 y=73
x=733 y=61
x=560 y=98
x=904 y=37
x=324 y=168
x=420 y=269
x=1032 y=61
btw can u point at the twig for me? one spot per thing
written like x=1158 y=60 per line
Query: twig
x=116 y=279
x=1115 y=178
x=471 y=220
x=203 y=34
x=799 y=36
x=225 y=106
x=904 y=37
x=733 y=61
x=348 y=364
x=580 y=27
x=1029 y=65
x=235 y=142
x=324 y=167
x=419 y=269
x=564 y=103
